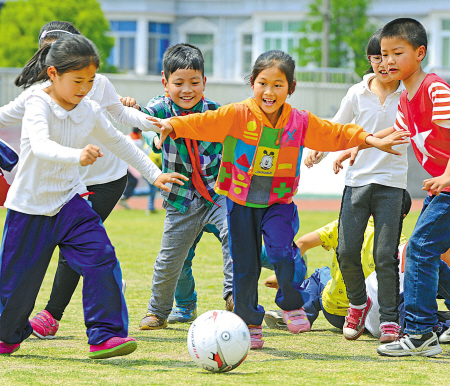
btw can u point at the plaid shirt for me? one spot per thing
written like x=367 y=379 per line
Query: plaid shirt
x=175 y=157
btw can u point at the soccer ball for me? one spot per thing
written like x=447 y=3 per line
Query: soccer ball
x=218 y=341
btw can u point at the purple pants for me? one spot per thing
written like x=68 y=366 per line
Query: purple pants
x=278 y=224
x=27 y=247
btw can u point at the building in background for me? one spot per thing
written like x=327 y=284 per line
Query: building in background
x=232 y=33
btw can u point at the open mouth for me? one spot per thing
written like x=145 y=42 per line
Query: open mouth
x=383 y=72
x=268 y=102
x=186 y=99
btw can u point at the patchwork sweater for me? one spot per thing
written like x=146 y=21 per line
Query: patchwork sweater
x=261 y=163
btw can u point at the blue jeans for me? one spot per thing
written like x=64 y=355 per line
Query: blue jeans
x=314 y=286
x=152 y=190
x=424 y=273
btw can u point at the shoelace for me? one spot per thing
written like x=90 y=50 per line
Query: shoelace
x=43 y=318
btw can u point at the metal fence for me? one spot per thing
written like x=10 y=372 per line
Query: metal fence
x=321 y=98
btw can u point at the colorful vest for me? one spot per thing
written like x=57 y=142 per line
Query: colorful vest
x=257 y=170
x=431 y=143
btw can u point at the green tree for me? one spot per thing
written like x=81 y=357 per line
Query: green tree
x=350 y=31
x=21 y=21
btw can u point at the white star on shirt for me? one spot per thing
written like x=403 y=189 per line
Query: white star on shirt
x=419 y=139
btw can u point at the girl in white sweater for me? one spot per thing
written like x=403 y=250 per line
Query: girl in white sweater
x=46 y=207
x=106 y=178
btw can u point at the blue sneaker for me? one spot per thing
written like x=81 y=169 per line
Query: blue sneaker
x=182 y=315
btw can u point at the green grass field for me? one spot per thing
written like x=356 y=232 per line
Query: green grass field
x=319 y=357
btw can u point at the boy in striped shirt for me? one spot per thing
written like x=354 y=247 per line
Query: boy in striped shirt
x=424 y=111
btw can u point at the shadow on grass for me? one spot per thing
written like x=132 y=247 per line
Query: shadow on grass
x=33 y=339
x=291 y=355
x=130 y=364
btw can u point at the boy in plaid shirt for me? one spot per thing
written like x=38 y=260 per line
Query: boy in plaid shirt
x=196 y=204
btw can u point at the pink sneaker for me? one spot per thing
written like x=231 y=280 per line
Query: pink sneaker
x=44 y=325
x=6 y=348
x=256 y=341
x=354 y=321
x=389 y=332
x=296 y=321
x=113 y=347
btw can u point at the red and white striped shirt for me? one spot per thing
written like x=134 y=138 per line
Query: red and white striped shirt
x=427 y=117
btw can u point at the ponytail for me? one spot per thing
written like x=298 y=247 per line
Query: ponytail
x=68 y=53
x=35 y=70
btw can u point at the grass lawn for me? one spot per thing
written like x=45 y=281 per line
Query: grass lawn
x=320 y=357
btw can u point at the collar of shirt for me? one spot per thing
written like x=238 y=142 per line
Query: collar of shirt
x=177 y=110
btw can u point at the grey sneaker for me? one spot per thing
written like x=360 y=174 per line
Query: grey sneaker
x=274 y=319
x=426 y=345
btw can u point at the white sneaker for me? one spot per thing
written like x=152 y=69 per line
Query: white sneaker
x=411 y=345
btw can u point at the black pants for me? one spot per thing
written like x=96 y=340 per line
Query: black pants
x=385 y=204
x=66 y=279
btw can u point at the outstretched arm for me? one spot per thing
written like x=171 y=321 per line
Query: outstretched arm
x=386 y=143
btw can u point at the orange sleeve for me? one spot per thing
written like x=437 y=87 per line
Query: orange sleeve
x=210 y=126
x=323 y=135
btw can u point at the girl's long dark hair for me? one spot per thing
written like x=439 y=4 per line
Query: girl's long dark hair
x=68 y=53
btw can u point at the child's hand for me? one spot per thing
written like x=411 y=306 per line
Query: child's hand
x=313 y=157
x=349 y=153
x=337 y=164
x=174 y=178
x=164 y=127
x=130 y=102
x=89 y=155
x=436 y=184
x=271 y=282
x=386 y=143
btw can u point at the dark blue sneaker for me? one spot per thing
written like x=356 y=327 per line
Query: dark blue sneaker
x=182 y=315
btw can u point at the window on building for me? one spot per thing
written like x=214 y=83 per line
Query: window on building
x=158 y=42
x=123 y=53
x=282 y=35
x=446 y=43
x=247 y=42
x=205 y=42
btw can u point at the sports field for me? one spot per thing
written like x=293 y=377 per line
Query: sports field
x=319 y=357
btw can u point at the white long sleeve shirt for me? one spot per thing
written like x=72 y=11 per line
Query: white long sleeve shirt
x=51 y=143
x=363 y=107
x=109 y=167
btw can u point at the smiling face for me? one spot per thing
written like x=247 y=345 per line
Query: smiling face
x=185 y=87
x=70 y=88
x=271 y=89
x=400 y=58
x=379 y=70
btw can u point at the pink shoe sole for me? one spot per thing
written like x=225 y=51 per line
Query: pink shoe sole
x=113 y=347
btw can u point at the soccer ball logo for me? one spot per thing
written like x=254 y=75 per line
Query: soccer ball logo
x=218 y=341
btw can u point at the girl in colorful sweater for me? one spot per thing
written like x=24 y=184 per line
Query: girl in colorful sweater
x=263 y=139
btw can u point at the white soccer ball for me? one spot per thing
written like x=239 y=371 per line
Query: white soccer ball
x=218 y=341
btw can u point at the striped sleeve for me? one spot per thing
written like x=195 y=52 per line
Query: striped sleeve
x=440 y=96
x=400 y=120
